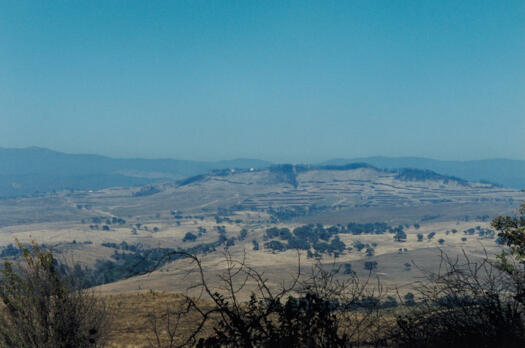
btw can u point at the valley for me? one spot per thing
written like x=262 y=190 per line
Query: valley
x=423 y=213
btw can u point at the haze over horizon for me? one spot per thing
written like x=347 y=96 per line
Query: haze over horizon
x=294 y=82
x=323 y=160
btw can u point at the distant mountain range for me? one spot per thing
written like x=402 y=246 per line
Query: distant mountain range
x=25 y=171
x=30 y=170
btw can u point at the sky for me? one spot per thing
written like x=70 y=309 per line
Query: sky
x=294 y=81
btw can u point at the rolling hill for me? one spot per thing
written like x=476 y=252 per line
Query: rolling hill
x=505 y=172
x=25 y=171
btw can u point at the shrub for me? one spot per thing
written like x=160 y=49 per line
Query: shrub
x=465 y=304
x=310 y=310
x=45 y=308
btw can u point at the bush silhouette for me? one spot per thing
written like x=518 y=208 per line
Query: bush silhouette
x=45 y=308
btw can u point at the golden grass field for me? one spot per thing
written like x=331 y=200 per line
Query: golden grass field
x=246 y=200
x=131 y=318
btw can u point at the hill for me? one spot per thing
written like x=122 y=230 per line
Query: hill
x=506 y=172
x=28 y=170
x=357 y=211
x=33 y=170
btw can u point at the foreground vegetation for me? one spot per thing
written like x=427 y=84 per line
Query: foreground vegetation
x=466 y=303
x=46 y=308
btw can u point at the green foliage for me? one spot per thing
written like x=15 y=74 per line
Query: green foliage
x=189 y=237
x=243 y=234
x=465 y=304
x=146 y=191
x=275 y=245
x=512 y=234
x=307 y=321
x=370 y=265
x=400 y=236
x=410 y=174
x=45 y=308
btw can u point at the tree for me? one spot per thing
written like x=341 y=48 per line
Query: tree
x=400 y=236
x=275 y=245
x=390 y=302
x=409 y=299
x=419 y=237
x=348 y=269
x=46 y=308
x=243 y=234
x=189 y=237
x=370 y=265
x=512 y=233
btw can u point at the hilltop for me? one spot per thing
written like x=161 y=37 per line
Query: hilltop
x=32 y=171
x=505 y=172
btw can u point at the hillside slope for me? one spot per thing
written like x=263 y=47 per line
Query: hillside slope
x=24 y=171
x=508 y=173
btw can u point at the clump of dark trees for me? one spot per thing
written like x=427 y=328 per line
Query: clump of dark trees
x=324 y=239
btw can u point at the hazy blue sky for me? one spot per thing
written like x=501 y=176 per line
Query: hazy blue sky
x=284 y=81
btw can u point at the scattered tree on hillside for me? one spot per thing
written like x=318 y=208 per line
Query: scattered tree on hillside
x=400 y=236
x=189 y=237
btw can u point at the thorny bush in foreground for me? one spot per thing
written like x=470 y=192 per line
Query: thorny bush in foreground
x=311 y=310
